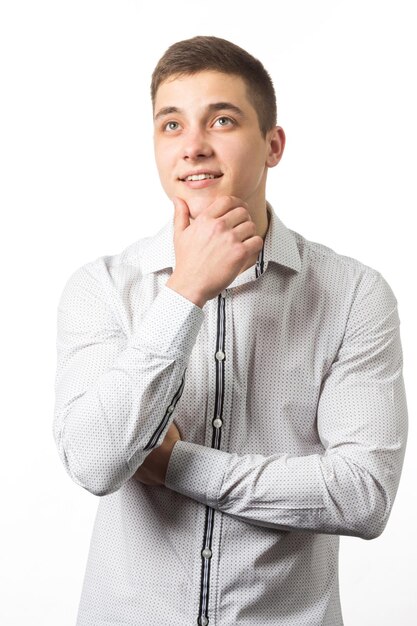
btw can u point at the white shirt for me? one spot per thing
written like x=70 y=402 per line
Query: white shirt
x=288 y=392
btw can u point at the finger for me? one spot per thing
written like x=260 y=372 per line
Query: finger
x=237 y=216
x=245 y=231
x=181 y=215
x=223 y=205
x=253 y=244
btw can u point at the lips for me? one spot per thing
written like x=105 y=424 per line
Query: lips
x=209 y=175
x=202 y=183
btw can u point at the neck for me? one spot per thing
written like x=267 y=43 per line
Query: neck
x=262 y=223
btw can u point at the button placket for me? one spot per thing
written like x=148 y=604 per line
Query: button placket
x=217 y=423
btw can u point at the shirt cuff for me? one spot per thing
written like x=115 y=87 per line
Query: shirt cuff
x=170 y=326
x=196 y=471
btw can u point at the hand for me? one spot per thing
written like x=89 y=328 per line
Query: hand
x=211 y=251
x=153 y=469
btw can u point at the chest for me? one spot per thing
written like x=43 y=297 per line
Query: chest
x=256 y=370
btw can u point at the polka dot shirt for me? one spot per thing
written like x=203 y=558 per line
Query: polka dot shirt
x=288 y=392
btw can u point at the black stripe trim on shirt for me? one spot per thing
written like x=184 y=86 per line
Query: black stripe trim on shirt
x=215 y=443
x=154 y=439
x=259 y=268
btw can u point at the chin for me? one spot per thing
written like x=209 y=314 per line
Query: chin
x=197 y=204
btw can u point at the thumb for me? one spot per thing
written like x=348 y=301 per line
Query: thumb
x=181 y=215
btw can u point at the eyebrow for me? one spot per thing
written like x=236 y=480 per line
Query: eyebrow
x=215 y=106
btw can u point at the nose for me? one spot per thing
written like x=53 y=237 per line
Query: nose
x=196 y=144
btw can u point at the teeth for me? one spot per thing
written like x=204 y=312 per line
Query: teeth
x=200 y=176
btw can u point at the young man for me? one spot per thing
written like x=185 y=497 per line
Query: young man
x=233 y=391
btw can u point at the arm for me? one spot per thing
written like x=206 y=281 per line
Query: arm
x=362 y=423
x=116 y=392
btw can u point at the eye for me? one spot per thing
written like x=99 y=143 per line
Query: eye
x=225 y=121
x=171 y=126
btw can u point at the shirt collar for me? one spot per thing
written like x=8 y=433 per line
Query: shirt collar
x=280 y=246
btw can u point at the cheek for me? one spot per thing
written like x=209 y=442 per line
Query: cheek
x=162 y=151
x=242 y=155
x=164 y=166
x=246 y=176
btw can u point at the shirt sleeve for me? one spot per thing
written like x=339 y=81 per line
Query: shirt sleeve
x=115 y=393
x=350 y=488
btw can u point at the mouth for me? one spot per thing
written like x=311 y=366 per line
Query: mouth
x=200 y=181
x=202 y=176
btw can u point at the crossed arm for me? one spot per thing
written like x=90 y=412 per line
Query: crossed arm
x=154 y=468
x=349 y=489
x=103 y=386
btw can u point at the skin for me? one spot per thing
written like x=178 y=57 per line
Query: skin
x=219 y=227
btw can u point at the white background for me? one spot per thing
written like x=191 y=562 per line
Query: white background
x=78 y=182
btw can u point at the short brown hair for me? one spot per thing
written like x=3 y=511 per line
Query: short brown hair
x=191 y=56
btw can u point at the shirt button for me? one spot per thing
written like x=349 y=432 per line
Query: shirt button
x=224 y=292
x=170 y=409
x=204 y=621
x=220 y=355
x=206 y=553
x=217 y=423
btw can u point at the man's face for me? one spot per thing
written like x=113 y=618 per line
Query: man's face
x=205 y=124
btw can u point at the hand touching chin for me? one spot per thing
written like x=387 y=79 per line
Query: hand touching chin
x=198 y=203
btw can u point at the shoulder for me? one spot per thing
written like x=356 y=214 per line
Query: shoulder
x=340 y=277
x=319 y=255
x=108 y=271
x=321 y=259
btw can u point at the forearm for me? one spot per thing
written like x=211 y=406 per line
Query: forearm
x=327 y=493
x=361 y=420
x=107 y=423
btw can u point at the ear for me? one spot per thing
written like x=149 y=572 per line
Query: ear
x=275 y=146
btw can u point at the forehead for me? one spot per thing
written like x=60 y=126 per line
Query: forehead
x=200 y=89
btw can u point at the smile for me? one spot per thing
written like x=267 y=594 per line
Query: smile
x=200 y=177
x=200 y=181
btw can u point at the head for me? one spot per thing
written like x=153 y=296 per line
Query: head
x=214 y=112
x=200 y=54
